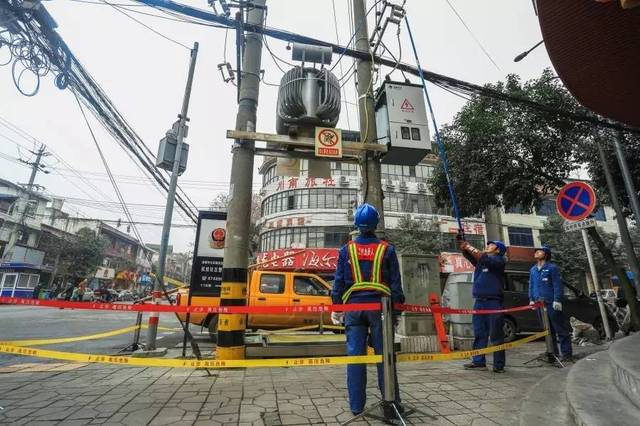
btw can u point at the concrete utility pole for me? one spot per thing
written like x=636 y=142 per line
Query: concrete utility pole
x=233 y=292
x=626 y=176
x=615 y=202
x=23 y=203
x=158 y=287
x=371 y=185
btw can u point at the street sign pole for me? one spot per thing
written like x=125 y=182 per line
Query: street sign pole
x=596 y=285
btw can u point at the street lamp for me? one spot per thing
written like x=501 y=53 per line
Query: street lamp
x=525 y=53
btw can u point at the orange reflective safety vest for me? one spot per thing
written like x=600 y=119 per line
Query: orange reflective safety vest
x=374 y=253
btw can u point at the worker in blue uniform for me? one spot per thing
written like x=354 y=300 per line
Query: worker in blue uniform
x=367 y=270
x=545 y=284
x=487 y=290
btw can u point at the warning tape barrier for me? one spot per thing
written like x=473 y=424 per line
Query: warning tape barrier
x=60 y=340
x=255 y=363
x=293 y=309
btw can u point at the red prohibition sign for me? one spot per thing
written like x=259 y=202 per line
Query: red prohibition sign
x=328 y=137
x=576 y=201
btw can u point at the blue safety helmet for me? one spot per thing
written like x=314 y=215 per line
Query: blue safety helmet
x=366 y=218
x=502 y=249
x=546 y=249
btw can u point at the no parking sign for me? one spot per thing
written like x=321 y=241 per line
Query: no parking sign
x=576 y=201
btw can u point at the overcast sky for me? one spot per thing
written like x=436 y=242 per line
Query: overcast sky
x=144 y=75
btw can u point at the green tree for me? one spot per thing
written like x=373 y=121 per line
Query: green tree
x=81 y=254
x=504 y=154
x=416 y=236
x=569 y=252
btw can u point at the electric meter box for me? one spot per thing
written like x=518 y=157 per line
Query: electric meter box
x=167 y=153
x=401 y=121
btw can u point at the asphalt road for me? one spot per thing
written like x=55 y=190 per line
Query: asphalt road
x=23 y=322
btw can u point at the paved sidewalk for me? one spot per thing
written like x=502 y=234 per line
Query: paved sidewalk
x=70 y=394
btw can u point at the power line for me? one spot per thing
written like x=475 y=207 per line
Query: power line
x=473 y=35
x=119 y=9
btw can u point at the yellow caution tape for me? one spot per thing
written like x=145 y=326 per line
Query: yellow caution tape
x=254 y=363
x=179 y=363
x=40 y=342
x=421 y=357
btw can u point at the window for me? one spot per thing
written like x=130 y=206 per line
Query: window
x=450 y=244
x=269 y=176
x=28 y=280
x=519 y=283
x=546 y=208
x=522 y=237
x=415 y=134
x=272 y=284
x=308 y=286
x=405 y=132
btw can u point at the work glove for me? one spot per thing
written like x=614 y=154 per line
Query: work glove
x=532 y=303
x=337 y=318
x=557 y=306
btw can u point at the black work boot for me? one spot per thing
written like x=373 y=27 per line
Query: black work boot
x=472 y=366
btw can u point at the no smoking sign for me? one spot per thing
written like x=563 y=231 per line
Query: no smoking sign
x=328 y=142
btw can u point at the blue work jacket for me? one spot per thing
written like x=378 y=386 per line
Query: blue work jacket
x=488 y=277
x=390 y=275
x=545 y=283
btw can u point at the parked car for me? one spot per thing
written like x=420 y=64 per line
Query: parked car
x=88 y=296
x=126 y=296
x=457 y=294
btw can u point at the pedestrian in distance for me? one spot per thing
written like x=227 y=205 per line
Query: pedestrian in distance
x=545 y=284
x=75 y=294
x=487 y=291
x=367 y=270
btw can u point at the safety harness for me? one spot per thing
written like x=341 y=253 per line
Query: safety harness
x=359 y=252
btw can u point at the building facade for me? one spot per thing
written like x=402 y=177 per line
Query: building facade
x=304 y=219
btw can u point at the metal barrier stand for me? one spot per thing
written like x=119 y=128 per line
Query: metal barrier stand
x=548 y=339
x=392 y=411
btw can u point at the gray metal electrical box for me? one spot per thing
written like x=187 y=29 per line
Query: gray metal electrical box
x=167 y=152
x=401 y=121
x=420 y=276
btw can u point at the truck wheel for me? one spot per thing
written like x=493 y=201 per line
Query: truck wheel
x=213 y=329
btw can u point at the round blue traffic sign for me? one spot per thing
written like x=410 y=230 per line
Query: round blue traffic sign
x=576 y=201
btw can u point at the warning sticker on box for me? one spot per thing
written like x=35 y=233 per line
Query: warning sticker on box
x=328 y=142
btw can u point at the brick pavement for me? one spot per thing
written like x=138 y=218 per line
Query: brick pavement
x=113 y=395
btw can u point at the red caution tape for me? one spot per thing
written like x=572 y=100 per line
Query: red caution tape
x=295 y=309
x=421 y=309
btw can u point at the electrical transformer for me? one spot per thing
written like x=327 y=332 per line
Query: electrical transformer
x=167 y=153
x=401 y=120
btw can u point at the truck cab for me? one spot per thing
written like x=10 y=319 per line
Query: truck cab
x=269 y=288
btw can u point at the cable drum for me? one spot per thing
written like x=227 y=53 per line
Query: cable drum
x=308 y=96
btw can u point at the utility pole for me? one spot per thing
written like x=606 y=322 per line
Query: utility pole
x=626 y=176
x=615 y=202
x=233 y=291
x=158 y=287
x=23 y=203
x=371 y=186
x=596 y=285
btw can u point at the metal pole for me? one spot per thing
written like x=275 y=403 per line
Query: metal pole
x=548 y=339
x=231 y=327
x=596 y=285
x=158 y=287
x=615 y=202
x=626 y=176
x=24 y=204
x=388 y=352
x=371 y=187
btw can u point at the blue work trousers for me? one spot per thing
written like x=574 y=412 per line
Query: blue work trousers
x=488 y=327
x=559 y=329
x=358 y=325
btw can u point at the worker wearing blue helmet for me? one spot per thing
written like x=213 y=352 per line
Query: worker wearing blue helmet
x=367 y=270
x=488 y=286
x=545 y=284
